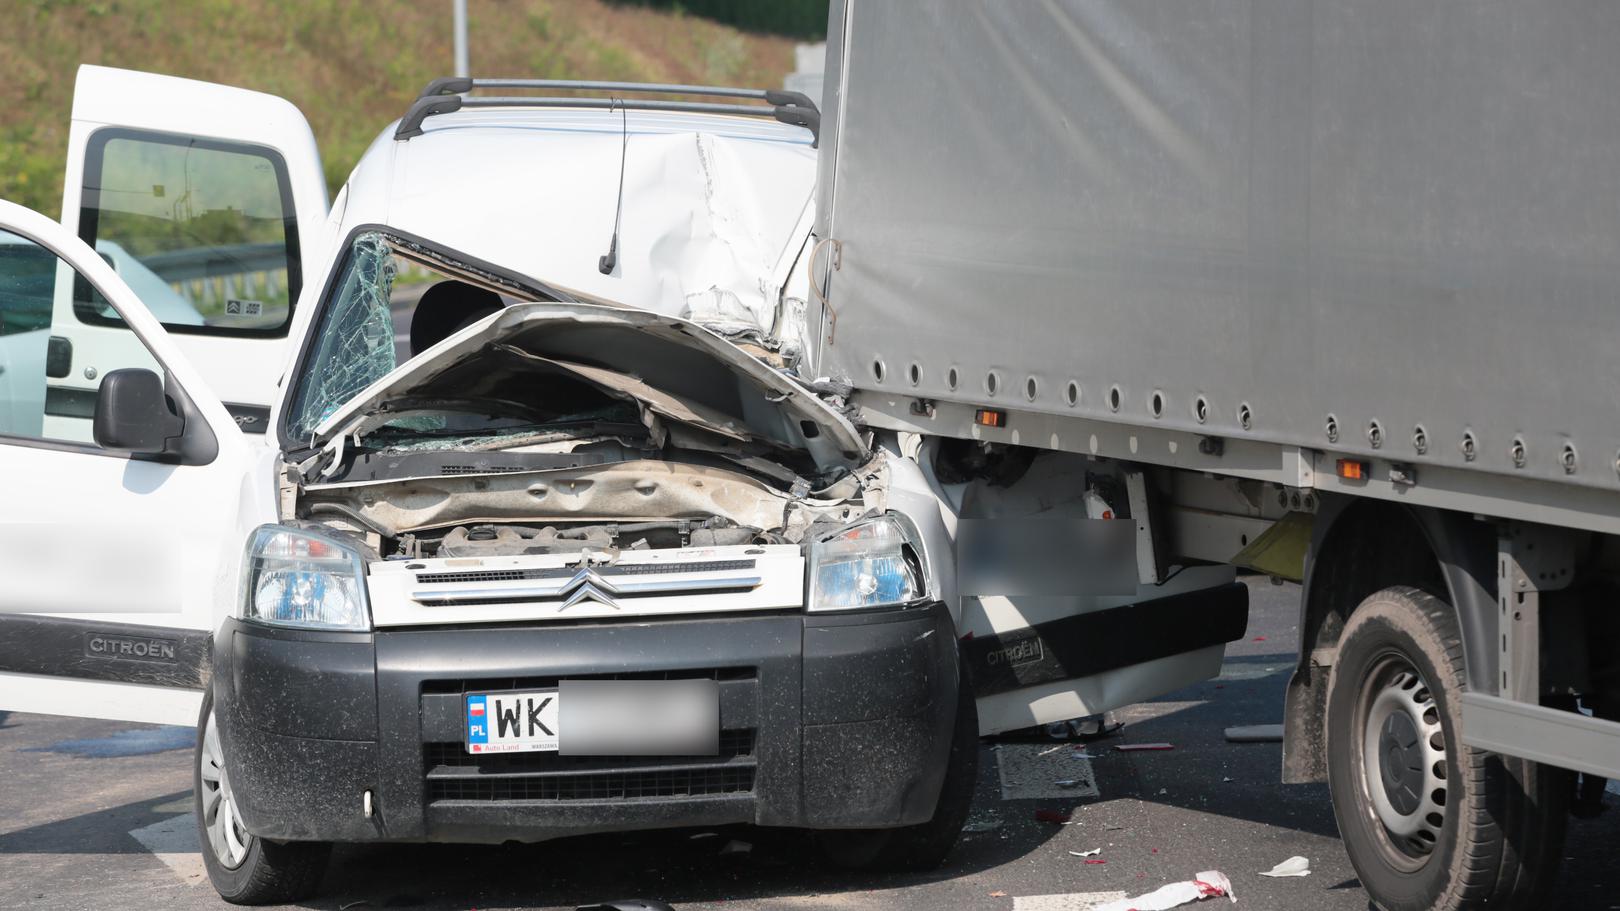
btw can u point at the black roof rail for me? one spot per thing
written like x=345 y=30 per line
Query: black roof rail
x=449 y=94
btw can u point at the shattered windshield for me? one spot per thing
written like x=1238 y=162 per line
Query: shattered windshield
x=355 y=345
x=386 y=308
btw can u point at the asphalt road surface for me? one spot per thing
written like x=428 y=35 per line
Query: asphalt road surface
x=96 y=815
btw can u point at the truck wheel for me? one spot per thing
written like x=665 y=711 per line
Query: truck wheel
x=1429 y=823
x=923 y=846
x=244 y=869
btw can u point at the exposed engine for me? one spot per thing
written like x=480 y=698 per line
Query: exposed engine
x=512 y=540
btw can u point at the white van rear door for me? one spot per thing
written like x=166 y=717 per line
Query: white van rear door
x=206 y=200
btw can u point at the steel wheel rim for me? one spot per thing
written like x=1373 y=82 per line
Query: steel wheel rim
x=227 y=838
x=1402 y=768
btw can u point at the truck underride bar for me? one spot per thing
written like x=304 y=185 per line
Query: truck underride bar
x=448 y=94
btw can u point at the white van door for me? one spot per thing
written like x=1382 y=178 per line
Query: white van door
x=205 y=200
x=118 y=558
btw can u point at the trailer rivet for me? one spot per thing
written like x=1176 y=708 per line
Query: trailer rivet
x=1568 y=458
x=1518 y=453
x=1420 y=439
x=1201 y=409
x=1332 y=429
x=1375 y=434
x=1470 y=446
x=1245 y=416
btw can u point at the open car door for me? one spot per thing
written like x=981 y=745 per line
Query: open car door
x=207 y=201
x=119 y=556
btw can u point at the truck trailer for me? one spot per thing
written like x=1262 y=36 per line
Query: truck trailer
x=1327 y=289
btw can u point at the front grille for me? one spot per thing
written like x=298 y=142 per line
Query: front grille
x=454 y=774
x=567 y=572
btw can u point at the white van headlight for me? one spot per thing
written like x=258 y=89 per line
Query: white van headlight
x=298 y=578
x=873 y=563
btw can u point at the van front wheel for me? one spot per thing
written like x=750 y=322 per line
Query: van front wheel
x=924 y=846
x=244 y=869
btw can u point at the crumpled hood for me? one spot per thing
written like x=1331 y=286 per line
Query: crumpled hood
x=679 y=371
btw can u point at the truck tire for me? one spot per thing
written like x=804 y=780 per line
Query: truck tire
x=244 y=869
x=923 y=846
x=1429 y=823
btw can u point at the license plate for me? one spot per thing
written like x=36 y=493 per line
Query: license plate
x=518 y=722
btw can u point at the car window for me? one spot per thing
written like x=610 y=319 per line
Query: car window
x=47 y=391
x=203 y=232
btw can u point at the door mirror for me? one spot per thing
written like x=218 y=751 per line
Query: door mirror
x=136 y=415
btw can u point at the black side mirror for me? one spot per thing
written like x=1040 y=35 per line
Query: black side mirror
x=136 y=415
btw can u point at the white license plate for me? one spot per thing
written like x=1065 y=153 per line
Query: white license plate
x=520 y=722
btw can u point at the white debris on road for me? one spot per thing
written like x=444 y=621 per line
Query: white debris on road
x=1293 y=866
x=1208 y=884
x=1067 y=901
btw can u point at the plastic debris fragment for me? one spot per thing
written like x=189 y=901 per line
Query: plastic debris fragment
x=1092 y=853
x=1293 y=866
x=1095 y=860
x=1208 y=884
x=1135 y=747
x=1069 y=782
x=982 y=824
x=1255 y=733
x=736 y=847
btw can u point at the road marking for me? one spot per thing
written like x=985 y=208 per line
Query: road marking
x=1237 y=671
x=1033 y=770
x=1068 y=901
x=174 y=841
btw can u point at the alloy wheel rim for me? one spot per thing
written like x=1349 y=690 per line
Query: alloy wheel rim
x=227 y=837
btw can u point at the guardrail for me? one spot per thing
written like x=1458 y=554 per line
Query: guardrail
x=208 y=276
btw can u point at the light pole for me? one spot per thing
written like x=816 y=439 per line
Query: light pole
x=461 y=38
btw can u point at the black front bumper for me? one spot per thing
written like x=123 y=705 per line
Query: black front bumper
x=827 y=722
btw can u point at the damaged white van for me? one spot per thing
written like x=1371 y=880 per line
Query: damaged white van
x=545 y=535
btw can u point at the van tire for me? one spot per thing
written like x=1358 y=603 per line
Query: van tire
x=924 y=846
x=1397 y=678
x=269 y=872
